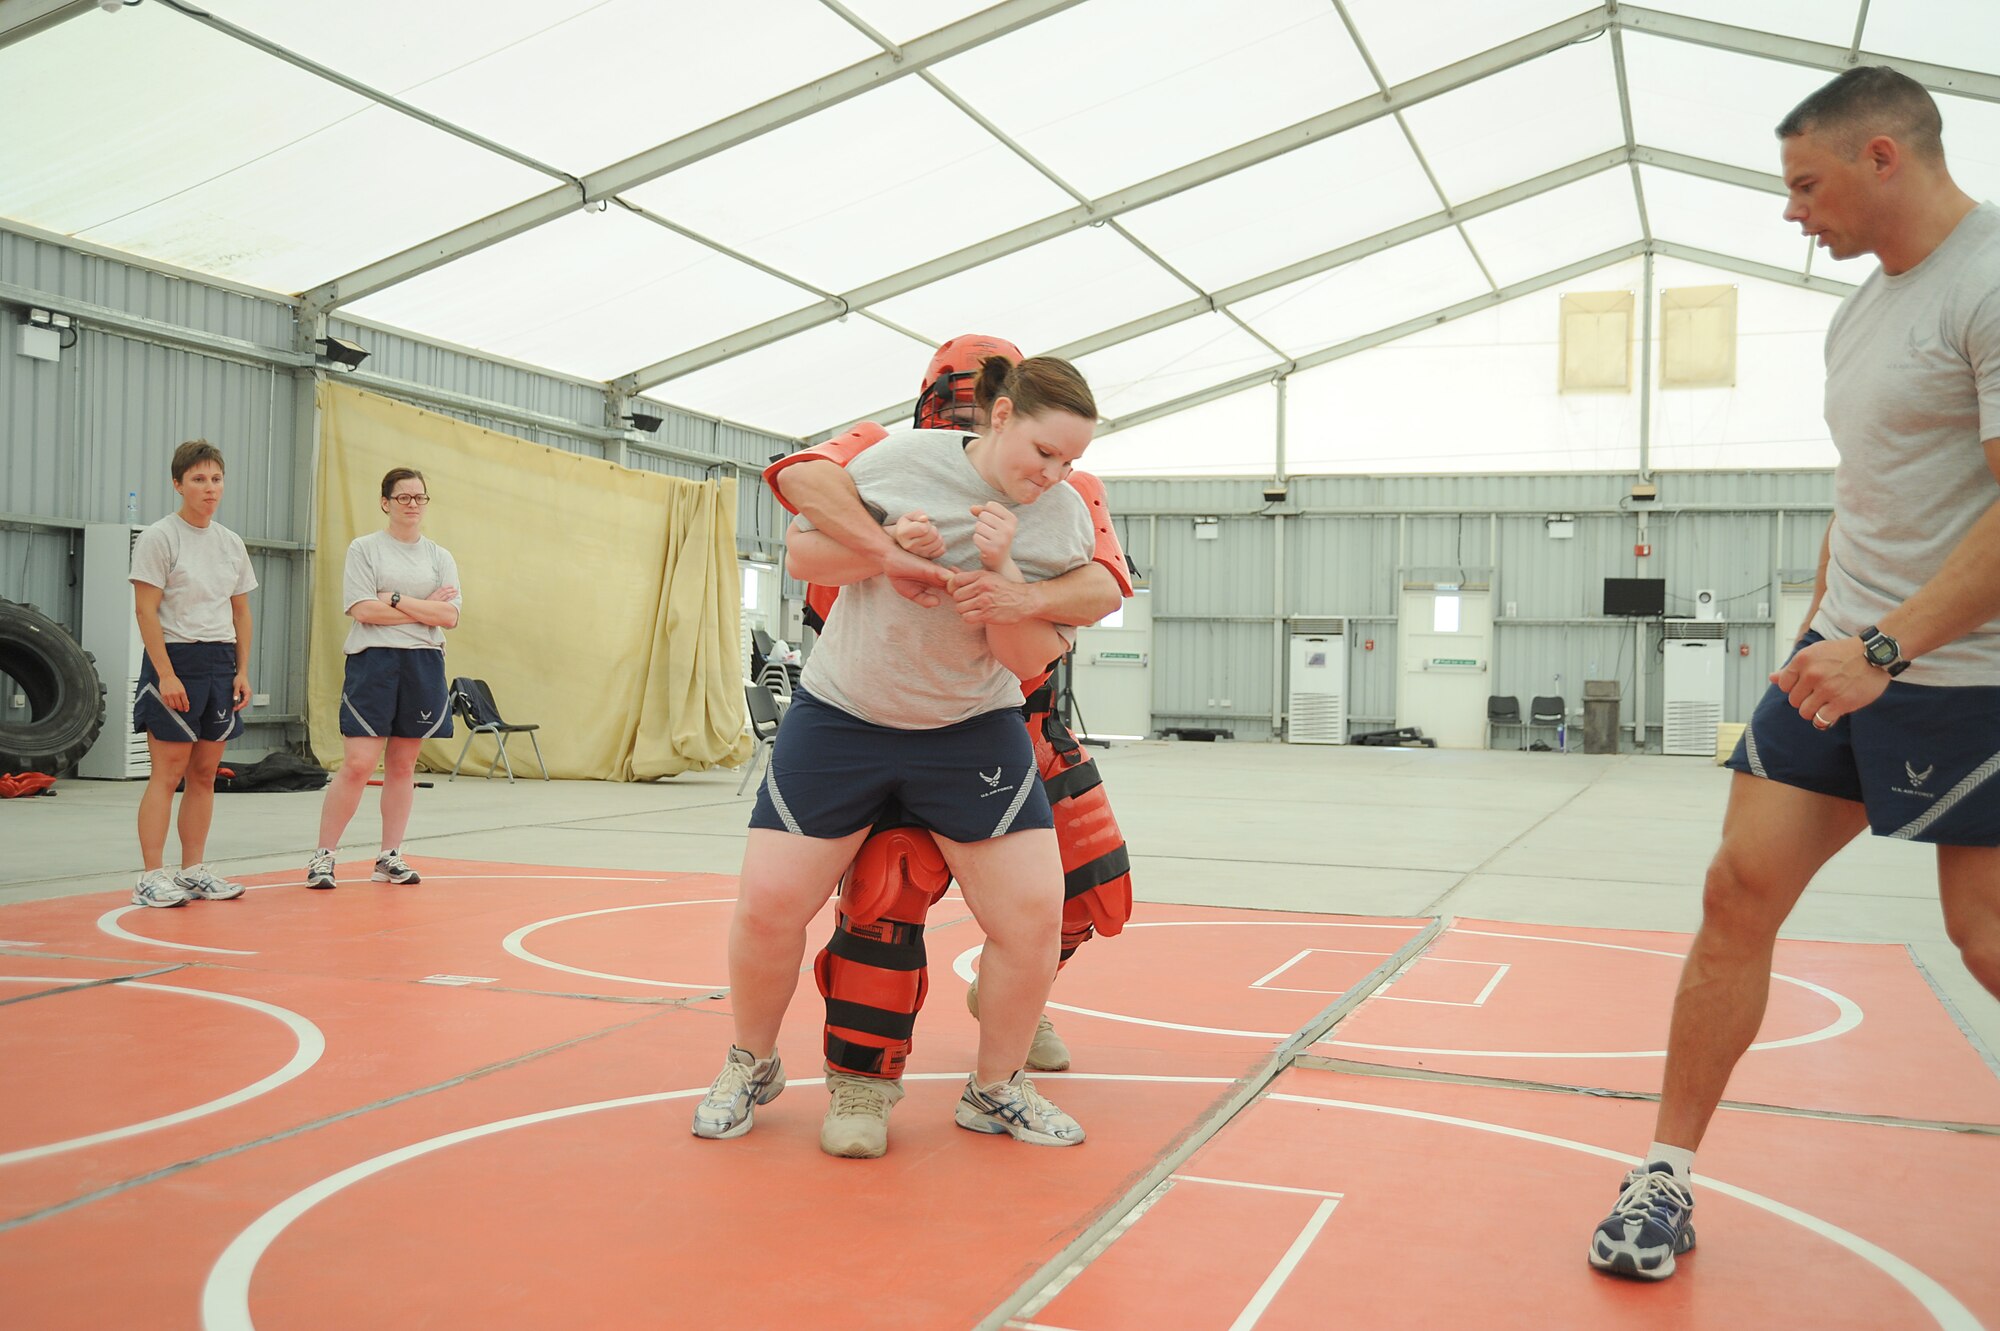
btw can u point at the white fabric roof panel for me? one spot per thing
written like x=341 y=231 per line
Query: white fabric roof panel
x=1118 y=91
x=832 y=375
x=583 y=84
x=269 y=175
x=1542 y=234
x=1355 y=299
x=1043 y=296
x=1231 y=436
x=587 y=294
x=1311 y=200
x=1522 y=121
x=1172 y=362
x=853 y=193
x=1406 y=40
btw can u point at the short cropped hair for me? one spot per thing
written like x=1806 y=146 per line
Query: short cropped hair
x=1867 y=101
x=192 y=454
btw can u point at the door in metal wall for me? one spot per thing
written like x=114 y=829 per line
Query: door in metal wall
x=1113 y=672
x=1444 y=646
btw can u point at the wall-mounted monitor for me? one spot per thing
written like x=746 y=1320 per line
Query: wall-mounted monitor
x=1635 y=596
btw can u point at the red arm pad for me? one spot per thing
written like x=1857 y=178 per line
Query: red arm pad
x=1108 y=552
x=843 y=451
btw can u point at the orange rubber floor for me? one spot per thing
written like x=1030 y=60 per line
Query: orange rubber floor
x=465 y=1104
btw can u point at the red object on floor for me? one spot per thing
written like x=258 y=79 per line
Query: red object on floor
x=25 y=783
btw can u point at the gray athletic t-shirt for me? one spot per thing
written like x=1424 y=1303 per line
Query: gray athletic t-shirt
x=1912 y=389
x=378 y=563
x=197 y=569
x=894 y=663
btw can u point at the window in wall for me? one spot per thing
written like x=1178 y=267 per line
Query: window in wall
x=1444 y=614
x=1596 y=355
x=753 y=578
x=1698 y=337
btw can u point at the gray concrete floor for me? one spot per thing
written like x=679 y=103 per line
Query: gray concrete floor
x=1609 y=842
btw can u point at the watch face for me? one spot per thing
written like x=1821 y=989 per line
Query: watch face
x=1882 y=649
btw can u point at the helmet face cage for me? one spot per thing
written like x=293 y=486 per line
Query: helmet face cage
x=946 y=402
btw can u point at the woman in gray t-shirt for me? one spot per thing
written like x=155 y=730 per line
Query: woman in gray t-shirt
x=904 y=701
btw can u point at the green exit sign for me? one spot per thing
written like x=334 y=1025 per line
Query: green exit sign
x=1120 y=656
x=1452 y=661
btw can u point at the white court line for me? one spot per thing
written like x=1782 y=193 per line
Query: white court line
x=1848 y=1011
x=1261 y=1300
x=311 y=1044
x=225 y=1295
x=514 y=944
x=1945 y=1310
x=1259 y=1187
x=1500 y=968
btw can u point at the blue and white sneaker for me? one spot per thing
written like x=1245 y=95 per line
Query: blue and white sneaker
x=201 y=885
x=1652 y=1224
x=390 y=868
x=1015 y=1106
x=742 y=1085
x=319 y=870
x=157 y=888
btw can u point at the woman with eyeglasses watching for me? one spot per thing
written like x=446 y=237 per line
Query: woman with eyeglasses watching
x=401 y=591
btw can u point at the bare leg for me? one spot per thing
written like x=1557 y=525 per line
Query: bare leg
x=1014 y=885
x=198 y=800
x=1969 y=883
x=343 y=793
x=399 y=788
x=1774 y=839
x=156 y=806
x=785 y=880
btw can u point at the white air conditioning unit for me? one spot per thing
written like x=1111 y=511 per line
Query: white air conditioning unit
x=1695 y=650
x=1316 y=706
x=111 y=634
x=1706 y=606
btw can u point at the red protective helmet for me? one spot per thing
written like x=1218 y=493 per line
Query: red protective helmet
x=946 y=400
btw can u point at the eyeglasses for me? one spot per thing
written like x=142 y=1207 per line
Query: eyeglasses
x=407 y=500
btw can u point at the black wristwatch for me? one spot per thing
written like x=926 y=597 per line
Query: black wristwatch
x=1883 y=652
x=395 y=598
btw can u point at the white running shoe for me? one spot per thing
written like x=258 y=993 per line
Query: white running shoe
x=200 y=884
x=389 y=868
x=158 y=888
x=857 y=1117
x=742 y=1085
x=1015 y=1106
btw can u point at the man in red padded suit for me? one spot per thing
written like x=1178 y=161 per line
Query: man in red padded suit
x=872 y=972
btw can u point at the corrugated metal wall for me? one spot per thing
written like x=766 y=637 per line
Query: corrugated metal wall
x=1348 y=542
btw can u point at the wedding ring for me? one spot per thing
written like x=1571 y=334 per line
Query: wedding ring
x=1819 y=723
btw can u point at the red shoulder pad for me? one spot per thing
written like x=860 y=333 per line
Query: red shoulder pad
x=1108 y=552
x=842 y=450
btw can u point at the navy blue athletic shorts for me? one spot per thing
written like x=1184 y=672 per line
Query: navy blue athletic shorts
x=395 y=691
x=207 y=670
x=1925 y=761
x=832 y=773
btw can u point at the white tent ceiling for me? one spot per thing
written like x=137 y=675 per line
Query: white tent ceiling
x=771 y=210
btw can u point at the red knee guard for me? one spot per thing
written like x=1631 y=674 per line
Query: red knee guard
x=1097 y=868
x=872 y=972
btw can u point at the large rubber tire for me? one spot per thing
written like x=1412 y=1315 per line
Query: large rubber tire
x=65 y=697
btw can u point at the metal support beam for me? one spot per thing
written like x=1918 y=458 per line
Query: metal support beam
x=951 y=40
x=1764 y=181
x=1355 y=345
x=1729 y=263
x=20 y=19
x=153 y=330
x=1797 y=51
x=1214 y=167
x=1646 y=370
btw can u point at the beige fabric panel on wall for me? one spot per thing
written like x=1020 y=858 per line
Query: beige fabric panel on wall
x=1596 y=353
x=1698 y=337
x=600 y=602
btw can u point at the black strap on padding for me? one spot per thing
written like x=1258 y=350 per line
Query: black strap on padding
x=860 y=1059
x=1097 y=872
x=870 y=1020
x=1074 y=781
x=890 y=956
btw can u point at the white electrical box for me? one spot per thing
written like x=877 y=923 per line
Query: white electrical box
x=1316 y=701
x=1695 y=650
x=111 y=634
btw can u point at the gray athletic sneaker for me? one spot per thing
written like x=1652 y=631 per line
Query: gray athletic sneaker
x=319 y=870
x=742 y=1085
x=1015 y=1106
x=158 y=888
x=390 y=868
x=1048 y=1053
x=200 y=884
x=857 y=1117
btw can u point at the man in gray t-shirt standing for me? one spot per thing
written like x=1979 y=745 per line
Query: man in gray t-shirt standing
x=1887 y=716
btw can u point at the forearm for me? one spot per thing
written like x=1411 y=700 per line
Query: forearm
x=1963 y=594
x=1025 y=648
x=378 y=612
x=824 y=495
x=244 y=634
x=155 y=639
x=437 y=614
x=1080 y=596
x=817 y=557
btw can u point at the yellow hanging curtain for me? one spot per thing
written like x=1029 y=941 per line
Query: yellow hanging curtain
x=600 y=603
